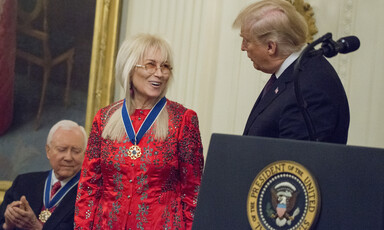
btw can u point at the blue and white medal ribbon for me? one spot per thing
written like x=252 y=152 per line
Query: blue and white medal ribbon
x=134 y=151
x=48 y=204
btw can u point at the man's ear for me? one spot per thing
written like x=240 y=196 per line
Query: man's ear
x=47 y=150
x=272 y=48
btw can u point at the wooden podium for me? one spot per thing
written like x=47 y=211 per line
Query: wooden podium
x=350 y=180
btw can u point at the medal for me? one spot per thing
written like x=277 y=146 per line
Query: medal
x=134 y=151
x=44 y=215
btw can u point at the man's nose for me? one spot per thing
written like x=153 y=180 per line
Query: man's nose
x=68 y=154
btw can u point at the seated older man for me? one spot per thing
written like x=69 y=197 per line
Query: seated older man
x=46 y=200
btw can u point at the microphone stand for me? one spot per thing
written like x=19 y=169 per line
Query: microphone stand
x=298 y=67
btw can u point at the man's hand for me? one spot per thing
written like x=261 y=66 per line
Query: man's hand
x=10 y=215
x=19 y=214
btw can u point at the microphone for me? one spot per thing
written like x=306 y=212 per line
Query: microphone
x=348 y=44
x=330 y=48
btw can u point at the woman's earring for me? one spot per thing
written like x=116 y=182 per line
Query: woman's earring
x=131 y=89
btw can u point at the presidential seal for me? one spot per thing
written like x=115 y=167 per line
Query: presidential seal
x=284 y=195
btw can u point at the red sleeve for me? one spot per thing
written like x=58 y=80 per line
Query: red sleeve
x=191 y=161
x=90 y=182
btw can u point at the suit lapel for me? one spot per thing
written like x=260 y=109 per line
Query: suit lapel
x=275 y=91
x=262 y=103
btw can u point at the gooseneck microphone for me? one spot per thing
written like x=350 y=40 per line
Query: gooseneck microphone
x=329 y=48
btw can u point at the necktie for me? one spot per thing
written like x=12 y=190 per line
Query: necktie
x=269 y=84
x=56 y=186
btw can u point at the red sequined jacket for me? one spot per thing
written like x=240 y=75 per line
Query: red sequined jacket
x=156 y=191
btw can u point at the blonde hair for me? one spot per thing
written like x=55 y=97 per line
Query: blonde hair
x=131 y=52
x=277 y=21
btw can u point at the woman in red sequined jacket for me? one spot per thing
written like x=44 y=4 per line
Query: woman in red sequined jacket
x=144 y=160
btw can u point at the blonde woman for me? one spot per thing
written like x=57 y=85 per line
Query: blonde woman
x=144 y=161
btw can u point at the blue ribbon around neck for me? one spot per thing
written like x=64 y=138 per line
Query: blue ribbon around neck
x=61 y=193
x=148 y=122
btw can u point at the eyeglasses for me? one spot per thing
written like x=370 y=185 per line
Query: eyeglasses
x=151 y=68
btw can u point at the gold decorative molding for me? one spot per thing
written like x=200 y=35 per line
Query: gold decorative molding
x=104 y=49
x=306 y=10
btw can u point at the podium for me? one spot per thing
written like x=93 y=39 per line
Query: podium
x=350 y=181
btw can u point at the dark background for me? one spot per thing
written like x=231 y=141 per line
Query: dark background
x=22 y=148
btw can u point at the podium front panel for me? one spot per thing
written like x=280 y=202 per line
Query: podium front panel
x=350 y=179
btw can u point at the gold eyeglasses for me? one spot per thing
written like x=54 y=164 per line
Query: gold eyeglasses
x=151 y=68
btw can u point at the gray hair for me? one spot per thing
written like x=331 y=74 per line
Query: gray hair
x=67 y=125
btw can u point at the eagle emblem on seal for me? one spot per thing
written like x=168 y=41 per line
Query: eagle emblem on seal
x=283 y=197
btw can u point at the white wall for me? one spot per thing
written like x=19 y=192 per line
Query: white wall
x=217 y=80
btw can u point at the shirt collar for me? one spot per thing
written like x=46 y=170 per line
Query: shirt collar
x=62 y=182
x=287 y=62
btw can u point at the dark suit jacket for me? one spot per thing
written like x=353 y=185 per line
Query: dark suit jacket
x=277 y=114
x=32 y=186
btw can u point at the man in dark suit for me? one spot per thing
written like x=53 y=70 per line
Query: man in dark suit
x=274 y=34
x=46 y=200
